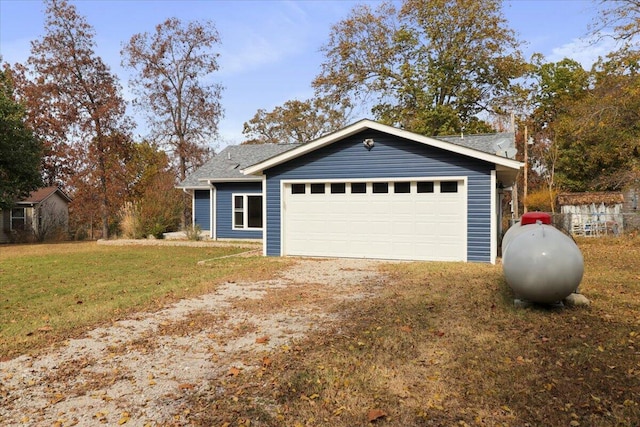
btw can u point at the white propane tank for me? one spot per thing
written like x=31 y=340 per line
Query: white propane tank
x=540 y=263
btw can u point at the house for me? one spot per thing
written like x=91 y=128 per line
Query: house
x=44 y=214
x=592 y=213
x=368 y=190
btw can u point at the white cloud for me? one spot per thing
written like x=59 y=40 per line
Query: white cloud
x=585 y=51
x=254 y=52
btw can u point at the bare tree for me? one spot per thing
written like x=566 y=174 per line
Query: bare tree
x=173 y=86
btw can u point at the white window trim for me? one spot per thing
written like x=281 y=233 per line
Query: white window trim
x=245 y=212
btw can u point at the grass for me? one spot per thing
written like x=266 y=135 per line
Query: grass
x=443 y=345
x=440 y=345
x=51 y=292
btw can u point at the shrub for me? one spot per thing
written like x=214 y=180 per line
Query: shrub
x=541 y=200
x=193 y=233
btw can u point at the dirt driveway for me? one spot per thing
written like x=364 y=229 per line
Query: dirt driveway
x=139 y=371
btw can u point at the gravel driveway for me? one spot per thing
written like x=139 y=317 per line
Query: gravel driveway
x=138 y=371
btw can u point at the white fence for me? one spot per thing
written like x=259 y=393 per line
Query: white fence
x=596 y=225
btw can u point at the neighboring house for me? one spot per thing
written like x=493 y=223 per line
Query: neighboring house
x=592 y=213
x=42 y=215
x=366 y=191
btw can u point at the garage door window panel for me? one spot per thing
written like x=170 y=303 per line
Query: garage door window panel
x=449 y=186
x=380 y=187
x=298 y=188
x=338 y=188
x=358 y=187
x=317 y=188
x=401 y=187
x=425 y=187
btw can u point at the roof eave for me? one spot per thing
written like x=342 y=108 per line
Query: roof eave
x=242 y=179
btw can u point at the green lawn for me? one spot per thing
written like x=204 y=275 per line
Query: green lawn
x=51 y=292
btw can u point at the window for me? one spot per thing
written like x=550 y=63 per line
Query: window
x=380 y=187
x=449 y=187
x=425 y=187
x=402 y=187
x=18 y=219
x=298 y=188
x=358 y=187
x=317 y=188
x=338 y=188
x=247 y=211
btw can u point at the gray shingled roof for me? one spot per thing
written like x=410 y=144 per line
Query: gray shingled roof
x=494 y=143
x=228 y=164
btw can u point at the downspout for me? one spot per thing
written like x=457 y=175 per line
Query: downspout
x=213 y=212
x=264 y=215
x=494 y=218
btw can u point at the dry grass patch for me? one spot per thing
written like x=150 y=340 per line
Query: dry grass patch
x=442 y=344
x=276 y=300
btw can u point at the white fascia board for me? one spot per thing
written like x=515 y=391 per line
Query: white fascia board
x=369 y=124
x=193 y=187
x=243 y=179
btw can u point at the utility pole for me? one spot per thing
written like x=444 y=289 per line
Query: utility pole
x=526 y=166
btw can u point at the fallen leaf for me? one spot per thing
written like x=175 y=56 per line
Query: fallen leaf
x=262 y=340
x=375 y=414
x=125 y=417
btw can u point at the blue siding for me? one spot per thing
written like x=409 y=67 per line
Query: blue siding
x=392 y=157
x=224 y=209
x=202 y=209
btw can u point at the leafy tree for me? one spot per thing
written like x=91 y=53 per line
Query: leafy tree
x=432 y=66
x=173 y=83
x=599 y=136
x=293 y=122
x=556 y=87
x=20 y=150
x=45 y=118
x=83 y=101
x=154 y=205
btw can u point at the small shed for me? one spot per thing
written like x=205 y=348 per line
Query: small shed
x=592 y=213
x=43 y=215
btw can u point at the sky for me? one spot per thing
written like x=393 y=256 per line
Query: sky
x=270 y=50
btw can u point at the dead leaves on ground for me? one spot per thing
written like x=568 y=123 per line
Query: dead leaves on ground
x=375 y=415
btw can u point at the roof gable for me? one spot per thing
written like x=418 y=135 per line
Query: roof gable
x=42 y=194
x=369 y=124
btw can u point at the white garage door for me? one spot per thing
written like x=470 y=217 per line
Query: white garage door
x=412 y=220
